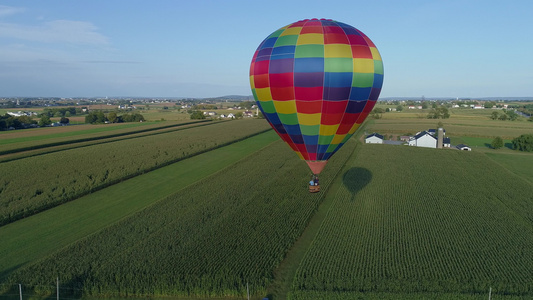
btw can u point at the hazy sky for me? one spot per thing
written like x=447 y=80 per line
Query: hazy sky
x=200 y=48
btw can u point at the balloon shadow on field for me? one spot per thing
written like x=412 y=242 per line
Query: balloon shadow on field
x=355 y=179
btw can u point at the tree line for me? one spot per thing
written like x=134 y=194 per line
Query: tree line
x=98 y=117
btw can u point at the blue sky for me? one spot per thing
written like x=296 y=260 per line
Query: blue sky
x=203 y=48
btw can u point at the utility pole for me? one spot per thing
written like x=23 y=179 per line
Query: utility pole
x=20 y=291
x=490 y=292
x=247 y=292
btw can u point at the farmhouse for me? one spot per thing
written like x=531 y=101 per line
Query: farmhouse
x=423 y=139
x=374 y=138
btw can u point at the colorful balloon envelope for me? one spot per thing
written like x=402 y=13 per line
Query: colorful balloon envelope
x=315 y=82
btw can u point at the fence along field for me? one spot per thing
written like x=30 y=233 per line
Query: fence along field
x=33 y=184
x=211 y=239
x=438 y=224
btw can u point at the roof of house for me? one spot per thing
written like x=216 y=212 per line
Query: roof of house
x=446 y=140
x=432 y=131
x=376 y=135
x=423 y=133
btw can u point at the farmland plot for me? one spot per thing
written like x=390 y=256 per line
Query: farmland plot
x=211 y=239
x=414 y=223
x=33 y=184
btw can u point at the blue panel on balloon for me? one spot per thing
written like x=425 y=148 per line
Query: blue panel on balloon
x=355 y=107
x=358 y=93
x=297 y=138
x=309 y=64
x=284 y=50
x=338 y=79
x=293 y=129
x=310 y=140
x=269 y=43
x=273 y=118
x=336 y=93
x=378 y=80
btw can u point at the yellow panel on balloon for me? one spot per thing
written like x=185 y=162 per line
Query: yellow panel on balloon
x=337 y=139
x=354 y=128
x=309 y=119
x=375 y=53
x=285 y=107
x=291 y=31
x=337 y=50
x=299 y=155
x=252 y=84
x=328 y=129
x=310 y=39
x=363 y=65
x=264 y=94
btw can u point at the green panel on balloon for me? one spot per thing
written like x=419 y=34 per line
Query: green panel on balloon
x=309 y=51
x=288 y=119
x=276 y=33
x=338 y=64
x=325 y=139
x=332 y=147
x=378 y=67
x=346 y=138
x=310 y=129
x=286 y=40
x=268 y=106
x=363 y=80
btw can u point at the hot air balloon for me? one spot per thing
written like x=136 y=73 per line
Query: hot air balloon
x=316 y=81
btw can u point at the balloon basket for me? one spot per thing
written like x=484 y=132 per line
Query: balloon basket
x=314 y=188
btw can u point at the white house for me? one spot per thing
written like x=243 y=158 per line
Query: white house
x=423 y=139
x=374 y=138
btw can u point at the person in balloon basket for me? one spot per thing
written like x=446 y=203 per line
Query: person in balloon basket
x=314 y=180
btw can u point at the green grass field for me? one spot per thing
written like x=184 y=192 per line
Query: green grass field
x=392 y=222
x=410 y=220
x=35 y=237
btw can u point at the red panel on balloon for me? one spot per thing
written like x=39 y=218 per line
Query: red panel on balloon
x=334 y=38
x=308 y=107
x=281 y=80
x=308 y=93
x=282 y=93
x=261 y=67
x=331 y=119
x=334 y=107
x=261 y=81
x=359 y=51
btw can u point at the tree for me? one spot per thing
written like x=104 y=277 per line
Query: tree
x=112 y=117
x=45 y=121
x=494 y=115
x=64 y=120
x=196 y=114
x=497 y=143
x=399 y=108
x=523 y=143
x=377 y=113
x=503 y=117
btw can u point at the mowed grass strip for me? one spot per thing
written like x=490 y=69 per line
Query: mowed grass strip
x=34 y=237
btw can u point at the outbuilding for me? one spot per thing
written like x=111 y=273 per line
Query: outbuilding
x=423 y=139
x=374 y=138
